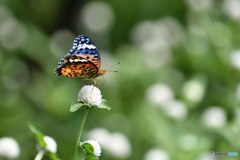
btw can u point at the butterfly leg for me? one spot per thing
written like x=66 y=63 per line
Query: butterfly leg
x=96 y=83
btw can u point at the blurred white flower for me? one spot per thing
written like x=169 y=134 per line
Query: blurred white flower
x=13 y=33
x=99 y=134
x=238 y=91
x=97 y=16
x=188 y=142
x=61 y=42
x=200 y=5
x=214 y=117
x=5 y=14
x=206 y=156
x=15 y=79
x=117 y=144
x=156 y=154
x=235 y=59
x=159 y=94
x=9 y=148
x=154 y=35
x=90 y=94
x=51 y=144
x=156 y=39
x=96 y=146
x=175 y=109
x=193 y=90
x=232 y=8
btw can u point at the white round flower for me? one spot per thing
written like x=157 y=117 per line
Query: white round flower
x=90 y=94
x=99 y=134
x=117 y=144
x=97 y=16
x=156 y=154
x=175 y=109
x=232 y=8
x=238 y=91
x=205 y=156
x=51 y=144
x=193 y=90
x=96 y=146
x=235 y=59
x=214 y=117
x=188 y=142
x=159 y=93
x=9 y=148
x=201 y=5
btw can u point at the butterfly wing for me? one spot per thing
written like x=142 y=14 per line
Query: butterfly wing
x=77 y=66
x=83 y=53
x=84 y=47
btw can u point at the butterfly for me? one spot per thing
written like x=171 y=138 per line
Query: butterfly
x=83 y=60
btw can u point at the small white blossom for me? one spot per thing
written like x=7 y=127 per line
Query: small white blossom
x=96 y=146
x=90 y=94
x=51 y=144
x=188 y=142
x=156 y=154
x=99 y=134
x=97 y=16
x=201 y=5
x=193 y=90
x=159 y=94
x=9 y=148
x=205 y=156
x=238 y=91
x=175 y=109
x=235 y=59
x=232 y=8
x=214 y=117
x=117 y=144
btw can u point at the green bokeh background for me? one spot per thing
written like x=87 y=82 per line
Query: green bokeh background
x=35 y=34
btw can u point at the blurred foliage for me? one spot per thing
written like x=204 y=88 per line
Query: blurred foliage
x=175 y=43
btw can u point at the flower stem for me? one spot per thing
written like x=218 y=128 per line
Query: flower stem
x=40 y=155
x=80 y=132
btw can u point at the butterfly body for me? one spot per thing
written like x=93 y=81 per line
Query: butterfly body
x=83 y=60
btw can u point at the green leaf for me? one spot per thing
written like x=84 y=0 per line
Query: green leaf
x=77 y=105
x=88 y=148
x=90 y=157
x=35 y=129
x=52 y=156
x=104 y=105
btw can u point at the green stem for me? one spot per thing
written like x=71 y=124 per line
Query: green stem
x=80 y=132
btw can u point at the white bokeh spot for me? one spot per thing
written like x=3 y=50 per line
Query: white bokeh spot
x=51 y=144
x=97 y=16
x=193 y=90
x=235 y=59
x=117 y=144
x=9 y=148
x=159 y=94
x=214 y=117
x=156 y=154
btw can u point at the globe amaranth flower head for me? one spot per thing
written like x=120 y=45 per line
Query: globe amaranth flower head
x=51 y=144
x=95 y=145
x=90 y=94
x=9 y=148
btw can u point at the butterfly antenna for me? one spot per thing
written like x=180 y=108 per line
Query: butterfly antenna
x=111 y=71
x=112 y=65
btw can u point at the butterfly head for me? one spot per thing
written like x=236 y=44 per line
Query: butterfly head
x=101 y=72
